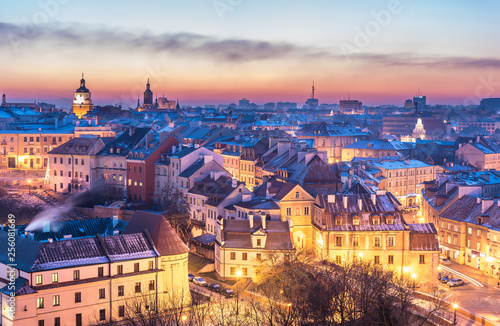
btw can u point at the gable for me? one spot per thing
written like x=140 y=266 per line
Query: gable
x=303 y=195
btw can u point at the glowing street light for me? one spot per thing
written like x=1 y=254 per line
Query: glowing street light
x=238 y=275
x=455 y=306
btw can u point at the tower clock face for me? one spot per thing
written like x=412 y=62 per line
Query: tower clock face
x=79 y=99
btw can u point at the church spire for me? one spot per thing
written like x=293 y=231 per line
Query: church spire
x=313 y=90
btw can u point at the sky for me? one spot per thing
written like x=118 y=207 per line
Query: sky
x=219 y=51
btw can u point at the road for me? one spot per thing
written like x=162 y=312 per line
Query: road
x=476 y=295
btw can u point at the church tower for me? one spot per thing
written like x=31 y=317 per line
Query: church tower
x=82 y=103
x=4 y=100
x=148 y=97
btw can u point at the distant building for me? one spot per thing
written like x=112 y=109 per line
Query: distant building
x=82 y=102
x=375 y=149
x=148 y=97
x=420 y=102
x=351 y=107
x=312 y=103
x=244 y=104
x=490 y=103
x=489 y=125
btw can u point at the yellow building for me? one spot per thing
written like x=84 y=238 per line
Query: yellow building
x=370 y=226
x=94 y=279
x=28 y=149
x=82 y=102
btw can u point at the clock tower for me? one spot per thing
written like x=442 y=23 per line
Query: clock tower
x=82 y=103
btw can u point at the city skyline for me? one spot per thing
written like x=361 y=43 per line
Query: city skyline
x=217 y=52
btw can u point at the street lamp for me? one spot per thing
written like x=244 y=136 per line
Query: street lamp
x=29 y=187
x=238 y=275
x=455 y=306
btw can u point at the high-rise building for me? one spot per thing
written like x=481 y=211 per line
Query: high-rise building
x=420 y=102
x=82 y=102
x=351 y=106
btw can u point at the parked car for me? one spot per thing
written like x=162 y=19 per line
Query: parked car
x=455 y=282
x=214 y=287
x=190 y=277
x=441 y=275
x=445 y=261
x=228 y=293
x=445 y=279
x=199 y=281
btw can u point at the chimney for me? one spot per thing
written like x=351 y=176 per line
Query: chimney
x=173 y=149
x=267 y=193
x=208 y=158
x=67 y=236
x=263 y=219
x=131 y=130
x=250 y=219
x=50 y=240
x=451 y=164
x=478 y=138
x=478 y=200
x=56 y=123
x=196 y=145
x=212 y=175
x=345 y=201
x=180 y=147
x=234 y=182
x=360 y=204
x=479 y=220
x=331 y=199
x=486 y=204
x=46 y=227
x=374 y=199
x=116 y=232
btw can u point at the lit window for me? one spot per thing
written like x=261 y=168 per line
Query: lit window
x=55 y=277
x=40 y=303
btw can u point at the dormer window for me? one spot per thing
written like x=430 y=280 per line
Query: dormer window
x=355 y=220
x=118 y=151
x=390 y=220
x=338 y=220
x=111 y=150
x=376 y=220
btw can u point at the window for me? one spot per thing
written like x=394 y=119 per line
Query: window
x=76 y=274
x=151 y=265
x=121 y=290
x=39 y=279
x=39 y=303
x=137 y=307
x=244 y=256
x=355 y=241
x=390 y=259
x=421 y=259
x=55 y=277
x=259 y=242
x=102 y=293
x=244 y=271
x=288 y=211
x=121 y=311
x=78 y=319
x=119 y=269
x=41 y=323
x=376 y=259
x=151 y=285
x=76 y=161
x=469 y=230
x=297 y=195
x=100 y=271
x=478 y=233
x=338 y=241
x=57 y=321
x=102 y=314
x=136 y=267
x=138 y=287
x=78 y=297
x=55 y=160
x=355 y=221
x=82 y=162
x=233 y=271
x=259 y=257
x=233 y=255
x=338 y=259
x=391 y=241
x=306 y=210
x=377 y=242
x=479 y=246
x=376 y=221
x=56 y=300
